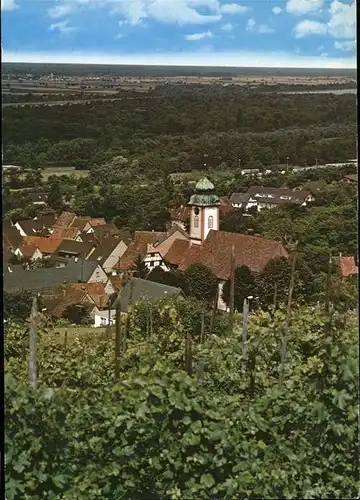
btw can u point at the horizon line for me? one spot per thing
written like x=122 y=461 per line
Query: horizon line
x=249 y=60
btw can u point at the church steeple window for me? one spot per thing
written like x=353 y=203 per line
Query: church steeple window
x=211 y=222
x=196 y=221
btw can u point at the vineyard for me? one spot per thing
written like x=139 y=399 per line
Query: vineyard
x=195 y=413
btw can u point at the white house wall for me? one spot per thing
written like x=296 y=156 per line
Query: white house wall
x=98 y=276
x=114 y=257
x=101 y=318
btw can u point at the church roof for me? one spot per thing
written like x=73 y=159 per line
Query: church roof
x=251 y=251
x=204 y=185
x=204 y=194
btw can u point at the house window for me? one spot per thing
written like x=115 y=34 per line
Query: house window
x=103 y=321
x=152 y=263
x=196 y=221
x=211 y=222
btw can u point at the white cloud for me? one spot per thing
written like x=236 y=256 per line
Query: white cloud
x=62 y=10
x=307 y=27
x=228 y=59
x=250 y=25
x=8 y=5
x=135 y=11
x=341 y=23
x=260 y=29
x=198 y=36
x=342 y=20
x=62 y=26
x=233 y=8
x=227 y=27
x=276 y=10
x=299 y=7
x=346 y=45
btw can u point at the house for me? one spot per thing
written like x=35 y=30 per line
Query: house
x=31 y=227
x=108 y=253
x=313 y=187
x=239 y=200
x=114 y=284
x=137 y=289
x=347 y=267
x=181 y=216
x=47 y=221
x=12 y=238
x=90 y=295
x=351 y=179
x=65 y=219
x=137 y=248
x=155 y=252
x=47 y=246
x=65 y=233
x=73 y=248
x=38 y=198
x=16 y=278
x=110 y=229
x=176 y=252
x=28 y=252
x=270 y=197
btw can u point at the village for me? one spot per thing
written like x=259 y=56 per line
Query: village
x=74 y=261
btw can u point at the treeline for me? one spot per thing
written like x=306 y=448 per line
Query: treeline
x=182 y=131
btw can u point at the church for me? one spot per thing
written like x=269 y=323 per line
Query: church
x=212 y=247
x=204 y=243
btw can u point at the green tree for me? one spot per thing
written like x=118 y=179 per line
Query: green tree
x=55 y=196
x=139 y=268
x=200 y=282
x=77 y=314
x=171 y=277
x=277 y=271
x=245 y=285
x=17 y=305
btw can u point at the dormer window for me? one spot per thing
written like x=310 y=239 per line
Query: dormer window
x=196 y=221
x=211 y=222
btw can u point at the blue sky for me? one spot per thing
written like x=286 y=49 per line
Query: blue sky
x=283 y=33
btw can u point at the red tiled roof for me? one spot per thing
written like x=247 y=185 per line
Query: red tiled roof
x=65 y=219
x=182 y=213
x=65 y=233
x=348 y=266
x=138 y=246
x=28 y=250
x=45 y=245
x=76 y=294
x=251 y=251
x=176 y=252
x=97 y=222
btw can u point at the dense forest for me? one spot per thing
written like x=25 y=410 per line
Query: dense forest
x=180 y=129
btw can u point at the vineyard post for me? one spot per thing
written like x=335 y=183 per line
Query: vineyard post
x=65 y=337
x=188 y=354
x=244 y=326
x=33 y=334
x=202 y=330
x=117 y=338
x=214 y=309
x=232 y=285
x=275 y=297
x=288 y=313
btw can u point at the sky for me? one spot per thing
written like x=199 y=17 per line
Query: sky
x=250 y=33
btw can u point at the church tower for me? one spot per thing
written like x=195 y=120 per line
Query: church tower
x=204 y=214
